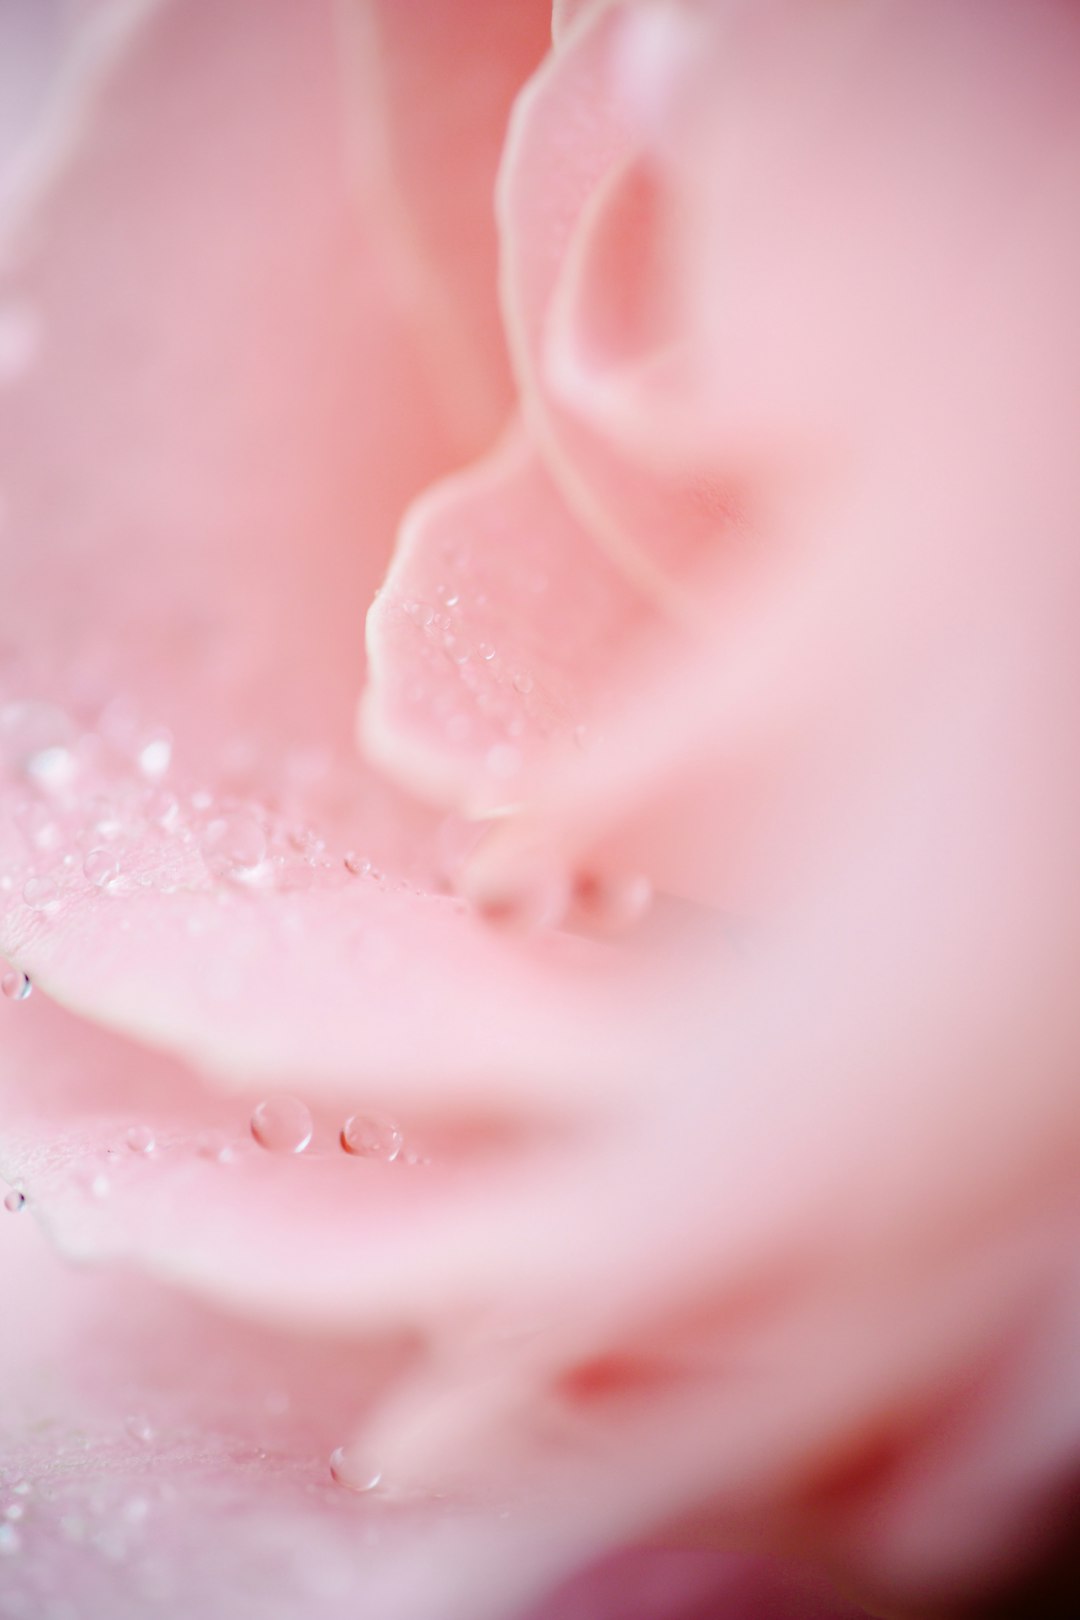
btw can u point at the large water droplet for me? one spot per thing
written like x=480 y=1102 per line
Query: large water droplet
x=612 y=901
x=41 y=894
x=140 y=1139
x=15 y=985
x=102 y=867
x=370 y=1137
x=14 y=1201
x=282 y=1125
x=526 y=900
x=352 y=1470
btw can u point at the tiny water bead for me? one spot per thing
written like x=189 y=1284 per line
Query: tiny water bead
x=140 y=1139
x=15 y=985
x=102 y=867
x=41 y=893
x=282 y=1125
x=372 y=1138
x=353 y=1471
x=358 y=865
x=233 y=843
x=14 y=1201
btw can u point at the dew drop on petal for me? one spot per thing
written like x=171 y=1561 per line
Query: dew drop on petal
x=140 y=1139
x=282 y=1125
x=15 y=985
x=371 y=1138
x=214 y=1145
x=358 y=865
x=612 y=901
x=51 y=768
x=14 y=1201
x=155 y=754
x=10 y=1540
x=101 y=867
x=233 y=843
x=353 y=1471
x=520 y=902
x=41 y=894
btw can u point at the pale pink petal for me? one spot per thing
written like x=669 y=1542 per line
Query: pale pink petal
x=216 y=937
x=563 y=200
x=224 y=406
x=444 y=86
x=495 y=637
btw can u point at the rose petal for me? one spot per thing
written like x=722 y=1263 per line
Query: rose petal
x=160 y=1456
x=494 y=639
x=561 y=203
x=200 y=470
x=445 y=89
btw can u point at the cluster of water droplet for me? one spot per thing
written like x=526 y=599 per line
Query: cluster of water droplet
x=284 y=1124
x=462 y=682
x=90 y=806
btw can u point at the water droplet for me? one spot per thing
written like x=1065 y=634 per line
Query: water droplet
x=233 y=844
x=15 y=985
x=358 y=865
x=523 y=682
x=214 y=1145
x=486 y=650
x=282 y=1125
x=354 y=1471
x=140 y=1139
x=14 y=1511
x=371 y=1138
x=14 y=1201
x=162 y=806
x=10 y=1540
x=612 y=901
x=51 y=768
x=30 y=728
x=41 y=894
x=523 y=901
x=139 y=1429
x=102 y=867
x=155 y=754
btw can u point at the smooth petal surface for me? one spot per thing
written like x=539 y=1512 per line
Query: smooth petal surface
x=568 y=180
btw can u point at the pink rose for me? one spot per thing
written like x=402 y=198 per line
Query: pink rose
x=617 y=1126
